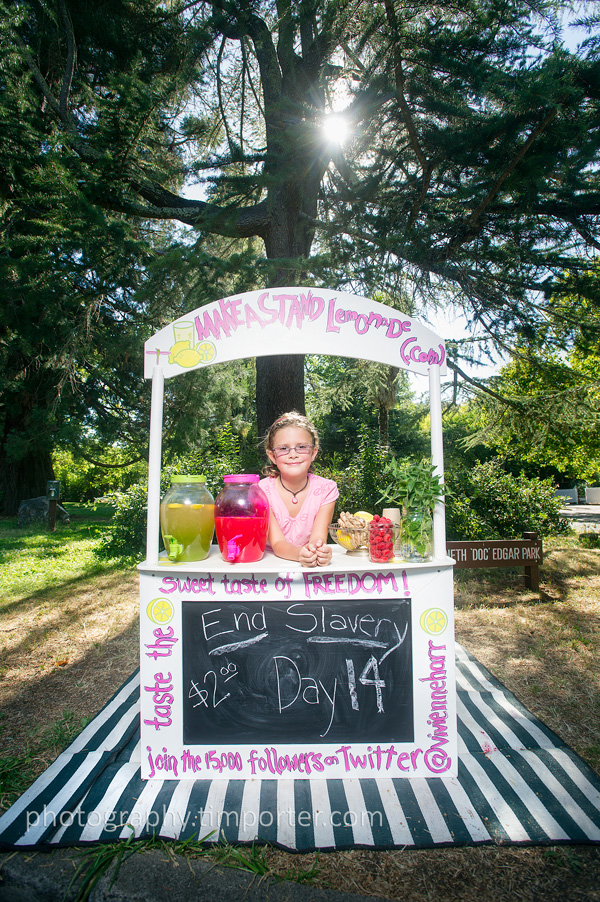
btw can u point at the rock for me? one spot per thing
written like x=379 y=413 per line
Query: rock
x=35 y=510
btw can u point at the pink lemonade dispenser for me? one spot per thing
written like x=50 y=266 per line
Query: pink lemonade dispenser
x=242 y=519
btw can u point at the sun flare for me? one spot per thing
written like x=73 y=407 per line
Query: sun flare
x=336 y=128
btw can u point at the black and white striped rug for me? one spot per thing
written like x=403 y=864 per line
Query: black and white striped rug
x=517 y=783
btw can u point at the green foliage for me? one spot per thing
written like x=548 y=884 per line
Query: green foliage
x=544 y=407
x=471 y=173
x=126 y=536
x=83 y=480
x=359 y=483
x=489 y=503
x=411 y=485
x=589 y=539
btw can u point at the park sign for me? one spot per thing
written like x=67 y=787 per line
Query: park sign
x=293 y=321
x=526 y=552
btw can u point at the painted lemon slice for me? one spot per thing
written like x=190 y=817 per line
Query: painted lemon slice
x=206 y=351
x=160 y=610
x=434 y=621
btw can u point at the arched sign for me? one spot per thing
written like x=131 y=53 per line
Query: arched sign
x=293 y=321
x=302 y=320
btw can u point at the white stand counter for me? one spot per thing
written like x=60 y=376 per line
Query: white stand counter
x=275 y=671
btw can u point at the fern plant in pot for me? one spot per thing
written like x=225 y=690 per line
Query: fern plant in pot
x=413 y=487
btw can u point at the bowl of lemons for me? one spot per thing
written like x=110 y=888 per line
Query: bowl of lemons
x=351 y=532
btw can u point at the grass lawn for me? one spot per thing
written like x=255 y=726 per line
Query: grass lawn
x=69 y=639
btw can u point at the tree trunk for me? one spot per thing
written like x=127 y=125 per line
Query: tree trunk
x=281 y=381
x=384 y=425
x=25 y=448
x=24 y=478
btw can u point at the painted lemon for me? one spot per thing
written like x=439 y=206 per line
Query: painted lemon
x=187 y=358
x=343 y=539
x=434 y=621
x=177 y=347
x=160 y=610
x=206 y=351
x=366 y=516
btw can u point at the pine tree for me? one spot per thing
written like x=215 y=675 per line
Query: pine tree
x=471 y=176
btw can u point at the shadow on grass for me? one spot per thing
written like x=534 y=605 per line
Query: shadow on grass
x=44 y=715
x=65 y=605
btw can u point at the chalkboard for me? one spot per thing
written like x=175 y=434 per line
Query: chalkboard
x=338 y=671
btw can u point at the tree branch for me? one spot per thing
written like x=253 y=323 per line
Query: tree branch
x=70 y=63
x=472 y=226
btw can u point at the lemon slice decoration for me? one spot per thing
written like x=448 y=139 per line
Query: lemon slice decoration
x=434 y=621
x=160 y=610
x=206 y=351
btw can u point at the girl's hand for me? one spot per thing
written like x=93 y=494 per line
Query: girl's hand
x=324 y=552
x=307 y=555
x=315 y=554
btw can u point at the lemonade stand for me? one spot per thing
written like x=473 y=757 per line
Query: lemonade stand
x=273 y=671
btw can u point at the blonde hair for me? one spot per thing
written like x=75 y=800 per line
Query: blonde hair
x=298 y=421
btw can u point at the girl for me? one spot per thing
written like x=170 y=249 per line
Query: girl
x=301 y=503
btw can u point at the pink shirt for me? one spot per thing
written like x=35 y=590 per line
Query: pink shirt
x=297 y=529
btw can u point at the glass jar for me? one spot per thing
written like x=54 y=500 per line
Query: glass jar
x=242 y=519
x=416 y=536
x=187 y=519
x=381 y=540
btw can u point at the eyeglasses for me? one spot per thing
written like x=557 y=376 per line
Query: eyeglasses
x=284 y=450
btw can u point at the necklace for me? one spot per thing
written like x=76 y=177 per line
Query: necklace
x=293 y=494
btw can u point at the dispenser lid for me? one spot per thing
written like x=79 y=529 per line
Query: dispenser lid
x=188 y=479
x=242 y=477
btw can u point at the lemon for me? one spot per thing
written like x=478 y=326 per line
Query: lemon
x=177 y=347
x=365 y=516
x=343 y=539
x=188 y=357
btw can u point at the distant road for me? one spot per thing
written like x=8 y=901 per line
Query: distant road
x=582 y=513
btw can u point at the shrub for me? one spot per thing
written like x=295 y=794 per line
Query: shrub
x=360 y=484
x=81 y=480
x=489 y=503
x=126 y=536
x=589 y=539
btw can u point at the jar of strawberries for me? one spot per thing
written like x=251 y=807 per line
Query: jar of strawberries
x=381 y=540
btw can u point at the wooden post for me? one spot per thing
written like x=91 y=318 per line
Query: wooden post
x=532 y=571
x=52 y=514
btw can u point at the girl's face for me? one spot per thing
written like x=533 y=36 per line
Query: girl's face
x=293 y=451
